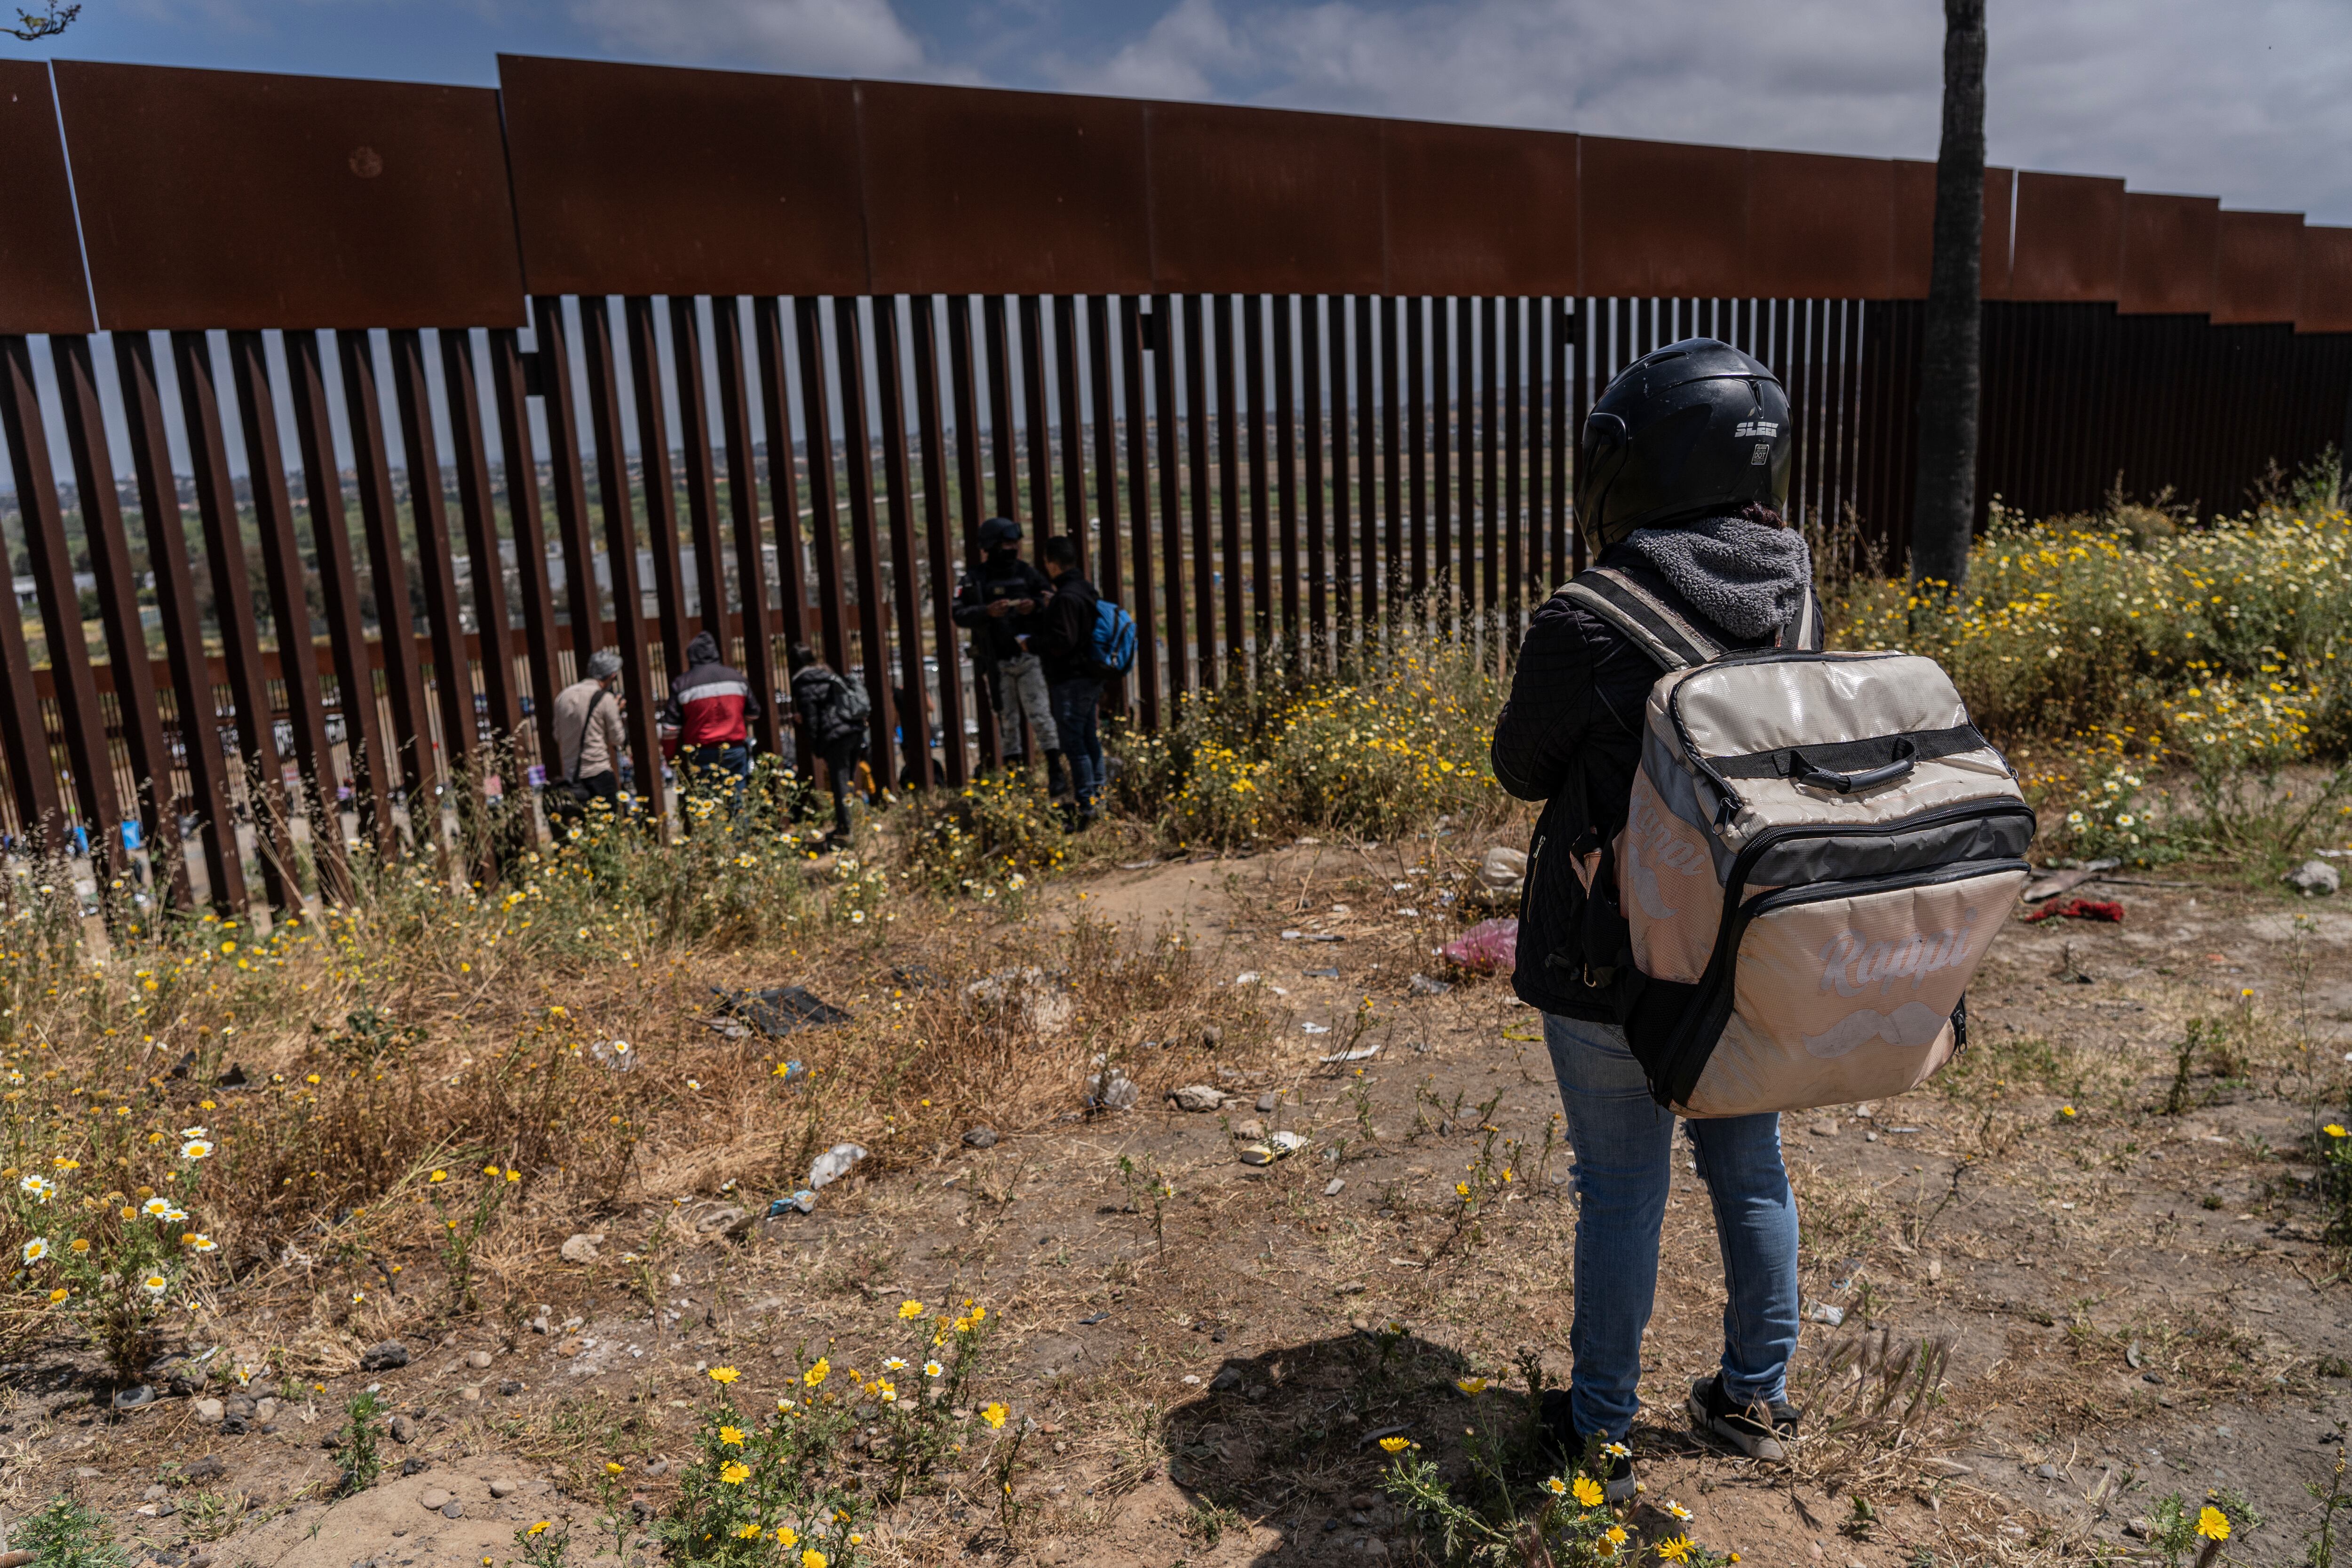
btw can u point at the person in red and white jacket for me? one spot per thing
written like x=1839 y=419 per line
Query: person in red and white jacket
x=711 y=708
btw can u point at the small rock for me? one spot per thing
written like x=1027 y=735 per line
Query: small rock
x=1267 y=1101
x=2132 y=1357
x=1335 y=1187
x=581 y=1247
x=478 y=1360
x=1211 y=1036
x=453 y=1509
x=2155 y=1377
x=1823 y=1313
x=657 y=1467
x=509 y=1388
x=265 y=1410
x=2046 y=1473
x=2137 y=1529
x=502 y=1488
x=210 y=1468
x=155 y=1493
x=132 y=1398
x=209 y=1410
x=1945 y=1469
x=1823 y=1129
x=403 y=1430
x=414 y=1467
x=433 y=1498
x=470 y=1395
x=383 y=1357
x=1250 y=1129
x=571 y=1347
x=2315 y=879
x=727 y=1219
x=1197 y=1096
x=981 y=1137
x=235 y=1425
x=1225 y=1381
x=1422 y=985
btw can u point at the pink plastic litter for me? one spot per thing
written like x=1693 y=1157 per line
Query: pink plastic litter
x=1490 y=947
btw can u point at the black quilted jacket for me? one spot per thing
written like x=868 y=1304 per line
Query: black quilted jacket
x=1571 y=737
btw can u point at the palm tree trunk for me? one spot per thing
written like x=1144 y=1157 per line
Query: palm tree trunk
x=1944 y=510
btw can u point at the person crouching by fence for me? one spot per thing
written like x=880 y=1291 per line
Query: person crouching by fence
x=590 y=737
x=711 y=708
x=834 y=711
x=999 y=600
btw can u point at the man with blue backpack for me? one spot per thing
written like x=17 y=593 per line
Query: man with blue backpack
x=1082 y=641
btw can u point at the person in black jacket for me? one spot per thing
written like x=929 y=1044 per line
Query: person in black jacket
x=1685 y=470
x=999 y=600
x=1074 y=675
x=834 y=712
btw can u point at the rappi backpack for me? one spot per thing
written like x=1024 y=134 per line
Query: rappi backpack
x=1819 y=849
x=1114 y=639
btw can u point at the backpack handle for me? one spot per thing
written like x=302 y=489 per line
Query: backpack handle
x=1907 y=757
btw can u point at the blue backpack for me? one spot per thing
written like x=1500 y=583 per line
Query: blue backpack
x=1114 y=639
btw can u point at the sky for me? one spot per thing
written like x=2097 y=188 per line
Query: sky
x=2241 y=101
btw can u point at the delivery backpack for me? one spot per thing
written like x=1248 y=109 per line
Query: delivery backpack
x=1819 y=849
x=1114 y=639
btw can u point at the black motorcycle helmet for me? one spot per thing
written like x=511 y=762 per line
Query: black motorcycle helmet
x=996 y=533
x=1693 y=430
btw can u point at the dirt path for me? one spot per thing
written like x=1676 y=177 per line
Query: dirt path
x=2121 y=1302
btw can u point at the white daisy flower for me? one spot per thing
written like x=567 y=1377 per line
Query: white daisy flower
x=194 y=1149
x=36 y=1249
x=154 y=1284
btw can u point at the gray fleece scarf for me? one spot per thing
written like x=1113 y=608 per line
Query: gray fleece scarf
x=1749 y=578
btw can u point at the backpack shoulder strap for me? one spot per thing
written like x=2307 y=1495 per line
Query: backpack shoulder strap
x=1807 y=634
x=587 y=722
x=1656 y=627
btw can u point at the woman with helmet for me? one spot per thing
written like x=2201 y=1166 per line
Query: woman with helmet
x=1682 y=476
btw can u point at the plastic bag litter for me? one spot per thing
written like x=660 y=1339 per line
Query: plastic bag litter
x=802 y=1202
x=835 y=1163
x=1490 y=947
x=779 y=1010
x=1502 y=873
x=1111 y=1091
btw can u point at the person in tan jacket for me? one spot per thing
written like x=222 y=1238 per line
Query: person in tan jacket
x=589 y=731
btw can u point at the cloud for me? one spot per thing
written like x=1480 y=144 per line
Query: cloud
x=2242 y=101
x=822 y=36
x=1177 y=57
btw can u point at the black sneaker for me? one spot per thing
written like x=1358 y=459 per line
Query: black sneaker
x=1610 y=1463
x=1760 y=1430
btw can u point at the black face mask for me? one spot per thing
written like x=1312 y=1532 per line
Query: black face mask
x=1004 y=554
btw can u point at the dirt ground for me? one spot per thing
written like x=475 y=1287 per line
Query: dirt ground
x=2111 y=1302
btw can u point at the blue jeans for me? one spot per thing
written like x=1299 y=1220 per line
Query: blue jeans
x=1075 y=702
x=720 y=770
x=1623 y=1142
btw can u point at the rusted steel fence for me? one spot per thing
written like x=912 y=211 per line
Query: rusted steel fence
x=344 y=419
